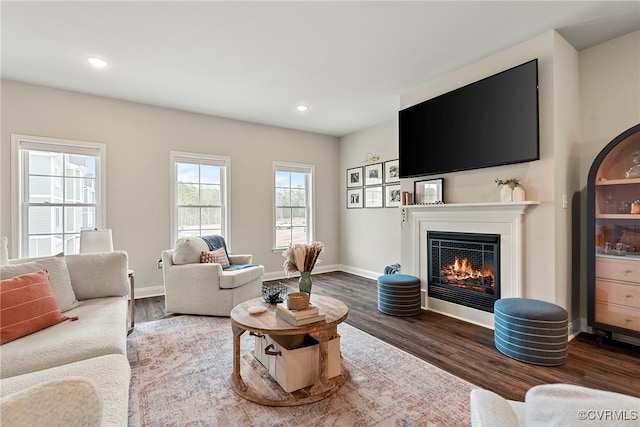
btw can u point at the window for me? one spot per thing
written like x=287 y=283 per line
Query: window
x=58 y=190
x=199 y=196
x=293 y=202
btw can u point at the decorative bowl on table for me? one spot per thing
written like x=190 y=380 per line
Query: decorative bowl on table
x=274 y=292
x=297 y=300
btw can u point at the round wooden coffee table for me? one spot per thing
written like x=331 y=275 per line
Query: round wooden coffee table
x=268 y=323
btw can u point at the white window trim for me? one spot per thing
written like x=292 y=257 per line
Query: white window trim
x=18 y=214
x=175 y=156
x=294 y=167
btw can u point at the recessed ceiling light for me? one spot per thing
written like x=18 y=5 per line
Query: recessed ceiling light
x=97 y=62
x=302 y=107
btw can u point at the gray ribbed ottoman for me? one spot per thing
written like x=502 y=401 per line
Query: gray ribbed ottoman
x=531 y=331
x=399 y=294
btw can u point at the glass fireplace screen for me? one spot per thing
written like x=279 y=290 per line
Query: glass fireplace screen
x=464 y=268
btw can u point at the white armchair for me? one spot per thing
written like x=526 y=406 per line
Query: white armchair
x=192 y=287
x=549 y=405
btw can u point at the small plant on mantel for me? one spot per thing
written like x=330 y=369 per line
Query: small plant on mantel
x=511 y=182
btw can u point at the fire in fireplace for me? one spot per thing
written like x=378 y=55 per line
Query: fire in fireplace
x=464 y=268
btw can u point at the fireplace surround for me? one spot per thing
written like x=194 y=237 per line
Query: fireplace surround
x=492 y=218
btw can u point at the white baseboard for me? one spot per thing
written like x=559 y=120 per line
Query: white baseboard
x=149 y=291
x=278 y=275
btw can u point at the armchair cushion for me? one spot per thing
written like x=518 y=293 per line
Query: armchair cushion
x=488 y=409
x=554 y=405
x=561 y=405
x=187 y=250
x=230 y=279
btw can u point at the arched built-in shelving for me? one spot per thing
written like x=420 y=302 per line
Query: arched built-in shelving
x=613 y=238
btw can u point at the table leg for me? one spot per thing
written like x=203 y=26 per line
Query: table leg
x=237 y=332
x=324 y=383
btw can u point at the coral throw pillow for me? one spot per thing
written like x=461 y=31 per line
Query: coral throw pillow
x=27 y=305
x=219 y=256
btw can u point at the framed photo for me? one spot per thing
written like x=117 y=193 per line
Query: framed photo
x=428 y=192
x=392 y=195
x=354 y=177
x=354 y=198
x=373 y=174
x=392 y=171
x=373 y=197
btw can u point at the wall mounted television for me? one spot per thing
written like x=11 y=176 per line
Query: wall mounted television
x=491 y=122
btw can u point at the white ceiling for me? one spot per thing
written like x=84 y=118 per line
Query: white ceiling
x=349 y=61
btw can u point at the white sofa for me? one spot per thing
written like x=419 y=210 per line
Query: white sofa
x=549 y=405
x=194 y=287
x=72 y=355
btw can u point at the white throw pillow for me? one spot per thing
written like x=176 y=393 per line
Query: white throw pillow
x=4 y=252
x=58 y=277
x=187 y=250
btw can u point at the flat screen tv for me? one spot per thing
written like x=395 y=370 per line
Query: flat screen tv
x=491 y=122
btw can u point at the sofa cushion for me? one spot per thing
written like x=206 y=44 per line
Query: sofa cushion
x=59 y=278
x=217 y=256
x=69 y=402
x=99 y=275
x=110 y=374
x=27 y=305
x=187 y=250
x=101 y=329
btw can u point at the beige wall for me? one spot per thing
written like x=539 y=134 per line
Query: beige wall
x=138 y=140
x=369 y=238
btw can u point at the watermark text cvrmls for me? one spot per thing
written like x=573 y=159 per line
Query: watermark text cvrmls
x=608 y=415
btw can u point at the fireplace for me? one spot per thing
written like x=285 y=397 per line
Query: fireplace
x=502 y=219
x=464 y=268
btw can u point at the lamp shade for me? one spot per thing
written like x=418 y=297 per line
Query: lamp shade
x=92 y=241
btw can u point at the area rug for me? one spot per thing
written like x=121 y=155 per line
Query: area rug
x=181 y=368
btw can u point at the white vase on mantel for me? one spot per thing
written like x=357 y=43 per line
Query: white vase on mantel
x=517 y=195
x=506 y=194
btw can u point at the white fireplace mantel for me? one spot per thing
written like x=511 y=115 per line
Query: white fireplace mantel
x=504 y=219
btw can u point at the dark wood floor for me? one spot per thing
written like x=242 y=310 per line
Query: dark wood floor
x=464 y=349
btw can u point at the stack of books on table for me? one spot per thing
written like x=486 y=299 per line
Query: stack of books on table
x=299 y=317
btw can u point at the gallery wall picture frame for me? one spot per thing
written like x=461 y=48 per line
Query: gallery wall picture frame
x=354 y=177
x=392 y=196
x=354 y=198
x=373 y=174
x=373 y=197
x=392 y=171
x=429 y=191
